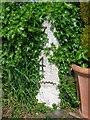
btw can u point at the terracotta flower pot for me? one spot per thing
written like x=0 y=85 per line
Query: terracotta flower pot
x=82 y=76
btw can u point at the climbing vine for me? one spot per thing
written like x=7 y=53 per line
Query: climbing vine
x=67 y=27
x=23 y=38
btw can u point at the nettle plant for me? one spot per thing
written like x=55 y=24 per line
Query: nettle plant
x=23 y=38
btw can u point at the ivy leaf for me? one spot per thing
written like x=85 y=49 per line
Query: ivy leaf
x=84 y=65
x=78 y=55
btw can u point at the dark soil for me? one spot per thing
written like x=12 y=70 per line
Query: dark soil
x=63 y=113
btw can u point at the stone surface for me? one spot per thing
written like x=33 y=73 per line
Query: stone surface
x=55 y=114
x=49 y=92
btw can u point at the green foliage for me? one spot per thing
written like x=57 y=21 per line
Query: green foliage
x=42 y=108
x=82 y=57
x=67 y=27
x=85 y=11
x=54 y=106
x=68 y=87
x=22 y=41
x=85 y=36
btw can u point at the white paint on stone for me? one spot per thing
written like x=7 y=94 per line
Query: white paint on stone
x=50 y=35
x=49 y=93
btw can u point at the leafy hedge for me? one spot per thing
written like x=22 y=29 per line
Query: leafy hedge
x=85 y=36
x=67 y=27
x=23 y=39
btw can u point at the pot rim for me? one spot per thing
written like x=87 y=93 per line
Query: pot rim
x=81 y=70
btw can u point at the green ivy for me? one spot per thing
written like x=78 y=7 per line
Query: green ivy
x=67 y=27
x=23 y=38
x=22 y=41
